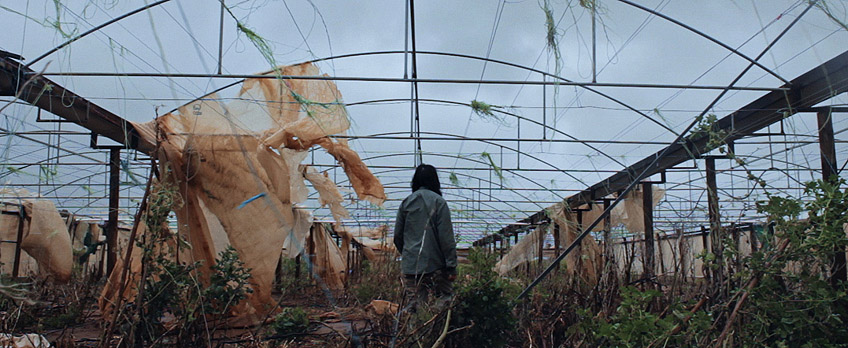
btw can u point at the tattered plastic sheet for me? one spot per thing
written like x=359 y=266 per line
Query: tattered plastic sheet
x=366 y=245
x=46 y=239
x=236 y=165
x=372 y=237
x=629 y=212
x=329 y=264
x=328 y=192
x=9 y=232
x=586 y=260
x=31 y=340
x=526 y=250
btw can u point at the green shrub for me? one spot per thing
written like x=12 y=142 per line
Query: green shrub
x=290 y=321
x=484 y=302
x=794 y=303
x=633 y=325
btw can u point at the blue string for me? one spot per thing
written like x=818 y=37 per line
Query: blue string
x=251 y=199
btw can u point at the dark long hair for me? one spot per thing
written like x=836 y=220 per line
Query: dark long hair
x=426 y=177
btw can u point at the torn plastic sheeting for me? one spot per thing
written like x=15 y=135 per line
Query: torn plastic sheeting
x=628 y=213
x=525 y=250
x=328 y=263
x=587 y=258
x=328 y=192
x=24 y=341
x=47 y=240
x=109 y=294
x=79 y=233
x=379 y=232
x=296 y=241
x=223 y=155
x=374 y=238
x=9 y=231
x=348 y=239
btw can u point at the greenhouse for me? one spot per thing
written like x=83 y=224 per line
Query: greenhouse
x=548 y=173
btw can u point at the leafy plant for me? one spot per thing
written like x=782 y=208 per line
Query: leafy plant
x=707 y=127
x=170 y=296
x=290 y=321
x=790 y=300
x=634 y=325
x=377 y=281
x=484 y=303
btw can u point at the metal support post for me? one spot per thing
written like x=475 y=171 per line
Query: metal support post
x=830 y=172
x=112 y=223
x=541 y=248
x=716 y=234
x=648 y=214
x=21 y=221
x=609 y=253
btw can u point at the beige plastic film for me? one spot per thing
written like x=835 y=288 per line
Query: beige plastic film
x=47 y=239
x=328 y=263
x=328 y=192
x=239 y=163
x=526 y=250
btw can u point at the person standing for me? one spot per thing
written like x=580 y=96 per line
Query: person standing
x=424 y=237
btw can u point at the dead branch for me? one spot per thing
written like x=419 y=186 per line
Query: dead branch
x=755 y=279
x=444 y=331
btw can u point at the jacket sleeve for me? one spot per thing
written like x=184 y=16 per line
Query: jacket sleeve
x=399 y=226
x=446 y=237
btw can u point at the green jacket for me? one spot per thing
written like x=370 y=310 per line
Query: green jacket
x=424 y=234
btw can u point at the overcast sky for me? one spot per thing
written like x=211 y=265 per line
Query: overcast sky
x=633 y=46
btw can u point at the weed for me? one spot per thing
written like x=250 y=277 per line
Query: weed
x=485 y=111
x=497 y=169
x=483 y=303
x=290 y=321
x=454 y=180
x=379 y=280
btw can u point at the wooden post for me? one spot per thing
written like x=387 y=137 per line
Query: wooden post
x=609 y=252
x=112 y=223
x=541 y=247
x=752 y=238
x=21 y=221
x=705 y=240
x=297 y=266
x=682 y=250
x=648 y=214
x=556 y=242
x=830 y=172
x=310 y=252
x=716 y=234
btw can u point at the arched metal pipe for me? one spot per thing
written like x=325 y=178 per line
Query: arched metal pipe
x=712 y=39
x=87 y=32
x=545 y=126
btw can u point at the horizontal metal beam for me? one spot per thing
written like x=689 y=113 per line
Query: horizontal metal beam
x=581 y=141
x=805 y=91
x=413 y=80
x=31 y=87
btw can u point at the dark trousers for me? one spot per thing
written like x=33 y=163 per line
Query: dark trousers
x=417 y=288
